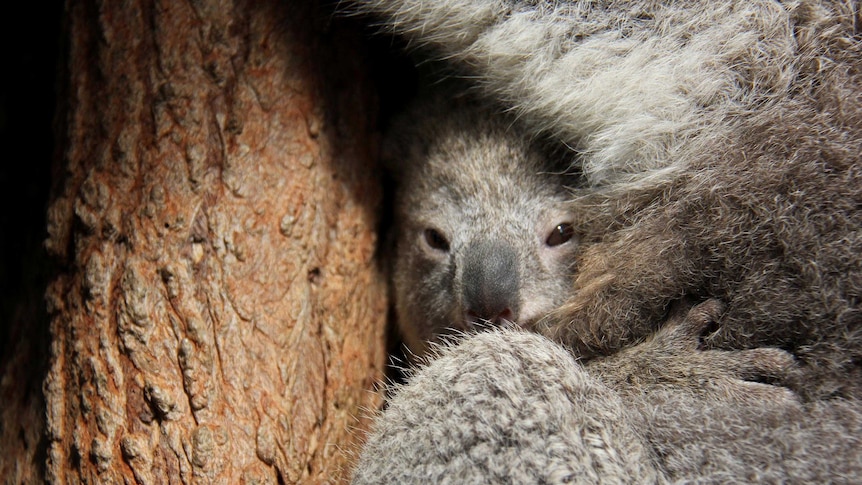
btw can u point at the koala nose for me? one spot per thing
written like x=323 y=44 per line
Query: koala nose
x=474 y=318
x=491 y=283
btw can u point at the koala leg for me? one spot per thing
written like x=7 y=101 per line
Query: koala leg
x=673 y=358
x=717 y=416
x=505 y=407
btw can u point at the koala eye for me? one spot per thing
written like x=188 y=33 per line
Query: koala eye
x=560 y=235
x=436 y=240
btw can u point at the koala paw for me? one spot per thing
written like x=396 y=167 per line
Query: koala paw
x=673 y=357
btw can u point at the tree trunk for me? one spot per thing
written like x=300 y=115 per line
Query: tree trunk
x=218 y=315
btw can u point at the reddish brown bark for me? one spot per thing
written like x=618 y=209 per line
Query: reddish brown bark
x=219 y=315
x=22 y=414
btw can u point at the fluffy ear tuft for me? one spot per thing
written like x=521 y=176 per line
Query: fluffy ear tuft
x=396 y=155
x=409 y=134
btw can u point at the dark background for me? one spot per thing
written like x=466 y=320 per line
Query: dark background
x=31 y=33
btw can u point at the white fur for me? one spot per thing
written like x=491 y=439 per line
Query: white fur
x=629 y=94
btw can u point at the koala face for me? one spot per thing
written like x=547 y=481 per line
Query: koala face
x=483 y=232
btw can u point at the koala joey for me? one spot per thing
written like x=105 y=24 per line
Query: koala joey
x=482 y=226
x=719 y=144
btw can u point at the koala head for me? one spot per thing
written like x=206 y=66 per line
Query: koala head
x=482 y=226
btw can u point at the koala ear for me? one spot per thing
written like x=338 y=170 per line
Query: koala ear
x=402 y=147
x=393 y=157
x=409 y=134
x=392 y=153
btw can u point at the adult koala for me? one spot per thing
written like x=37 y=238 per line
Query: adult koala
x=721 y=143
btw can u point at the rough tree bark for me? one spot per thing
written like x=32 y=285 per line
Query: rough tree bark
x=217 y=314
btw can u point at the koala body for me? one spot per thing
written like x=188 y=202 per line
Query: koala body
x=721 y=149
x=482 y=226
x=508 y=406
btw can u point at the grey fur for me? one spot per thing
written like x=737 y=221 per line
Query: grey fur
x=459 y=422
x=722 y=145
x=463 y=170
x=508 y=406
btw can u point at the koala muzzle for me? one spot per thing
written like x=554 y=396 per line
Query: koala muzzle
x=491 y=283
